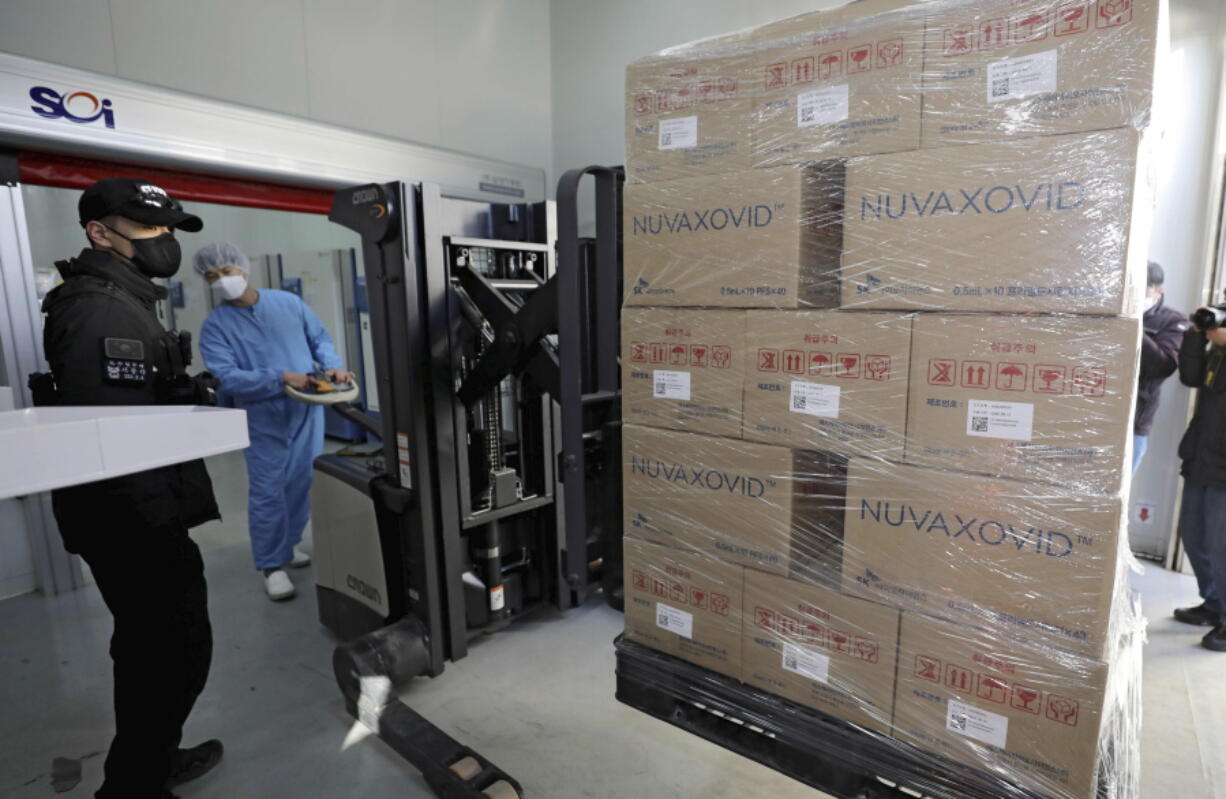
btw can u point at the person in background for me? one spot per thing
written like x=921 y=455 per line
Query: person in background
x=106 y=346
x=1160 y=341
x=256 y=343
x=1202 y=512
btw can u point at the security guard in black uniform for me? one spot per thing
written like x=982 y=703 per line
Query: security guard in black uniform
x=106 y=347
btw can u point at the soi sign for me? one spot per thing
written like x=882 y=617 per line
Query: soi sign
x=80 y=107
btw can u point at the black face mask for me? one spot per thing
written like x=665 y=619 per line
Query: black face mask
x=156 y=257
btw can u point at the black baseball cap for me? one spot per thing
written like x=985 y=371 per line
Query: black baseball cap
x=1154 y=275
x=138 y=200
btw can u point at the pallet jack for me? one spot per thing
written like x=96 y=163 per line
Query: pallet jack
x=497 y=488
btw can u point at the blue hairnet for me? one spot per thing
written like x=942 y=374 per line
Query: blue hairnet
x=220 y=253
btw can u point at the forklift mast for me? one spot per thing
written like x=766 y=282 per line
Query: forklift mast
x=498 y=491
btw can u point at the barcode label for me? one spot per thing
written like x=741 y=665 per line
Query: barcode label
x=1011 y=421
x=1012 y=78
x=806 y=662
x=973 y=722
x=822 y=107
x=674 y=621
x=815 y=399
x=678 y=133
x=670 y=385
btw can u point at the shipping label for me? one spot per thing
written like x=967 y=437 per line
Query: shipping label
x=678 y=133
x=1013 y=421
x=1014 y=78
x=670 y=385
x=674 y=621
x=806 y=662
x=815 y=399
x=822 y=106
x=982 y=725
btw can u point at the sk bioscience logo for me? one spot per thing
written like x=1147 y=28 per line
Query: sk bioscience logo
x=82 y=108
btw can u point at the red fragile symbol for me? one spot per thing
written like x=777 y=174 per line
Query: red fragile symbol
x=640 y=580
x=959 y=679
x=794 y=362
x=927 y=668
x=992 y=689
x=727 y=86
x=638 y=352
x=679 y=355
x=849 y=365
x=768 y=360
x=941 y=371
x=819 y=362
x=720 y=604
x=1030 y=28
x=776 y=75
x=699 y=354
x=840 y=641
x=1113 y=13
x=677 y=593
x=1049 y=379
x=958 y=40
x=659 y=352
x=860 y=59
x=1011 y=376
x=993 y=33
x=1023 y=697
x=1090 y=381
x=830 y=65
x=698 y=598
x=976 y=374
x=721 y=356
x=889 y=53
x=877 y=367
x=866 y=650
x=802 y=70
x=1072 y=19
x=642 y=104
x=1063 y=709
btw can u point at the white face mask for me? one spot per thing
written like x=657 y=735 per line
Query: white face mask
x=229 y=287
x=1151 y=301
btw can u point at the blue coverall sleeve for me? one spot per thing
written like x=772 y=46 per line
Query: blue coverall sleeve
x=247 y=385
x=322 y=348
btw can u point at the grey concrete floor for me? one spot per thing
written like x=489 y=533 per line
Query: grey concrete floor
x=536 y=699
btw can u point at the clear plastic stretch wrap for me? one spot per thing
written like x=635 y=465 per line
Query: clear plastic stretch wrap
x=884 y=266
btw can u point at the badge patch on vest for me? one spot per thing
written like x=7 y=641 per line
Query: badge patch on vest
x=124 y=361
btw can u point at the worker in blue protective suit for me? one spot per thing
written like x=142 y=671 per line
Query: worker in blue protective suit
x=255 y=343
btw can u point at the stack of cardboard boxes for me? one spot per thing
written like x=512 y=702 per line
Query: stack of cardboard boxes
x=879 y=353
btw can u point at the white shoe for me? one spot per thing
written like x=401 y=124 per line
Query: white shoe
x=278 y=586
x=300 y=560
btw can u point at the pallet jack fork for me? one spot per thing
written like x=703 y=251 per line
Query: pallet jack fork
x=499 y=398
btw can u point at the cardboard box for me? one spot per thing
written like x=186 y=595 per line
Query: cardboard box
x=687 y=111
x=991 y=703
x=1045 y=398
x=1057 y=224
x=837 y=83
x=683 y=369
x=1023 y=558
x=685 y=604
x=772 y=508
x=762 y=238
x=828 y=380
x=826 y=651
x=1001 y=69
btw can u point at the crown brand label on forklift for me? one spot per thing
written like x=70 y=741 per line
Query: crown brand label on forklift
x=402 y=450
